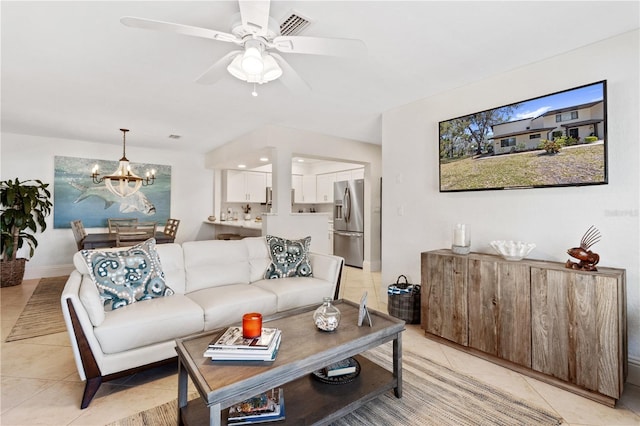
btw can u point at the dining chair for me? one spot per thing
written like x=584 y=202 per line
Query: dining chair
x=171 y=228
x=123 y=221
x=132 y=235
x=79 y=233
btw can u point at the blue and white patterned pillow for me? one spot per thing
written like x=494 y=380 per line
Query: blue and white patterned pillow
x=127 y=276
x=289 y=258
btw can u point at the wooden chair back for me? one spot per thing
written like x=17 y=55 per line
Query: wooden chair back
x=132 y=235
x=171 y=228
x=79 y=233
x=122 y=221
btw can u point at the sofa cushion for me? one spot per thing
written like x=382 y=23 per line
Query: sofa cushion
x=172 y=261
x=214 y=263
x=297 y=291
x=126 y=276
x=148 y=322
x=91 y=300
x=259 y=258
x=225 y=305
x=289 y=258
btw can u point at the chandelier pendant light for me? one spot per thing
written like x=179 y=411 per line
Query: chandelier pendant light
x=123 y=182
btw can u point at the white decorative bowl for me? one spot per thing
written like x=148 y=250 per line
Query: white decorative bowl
x=512 y=250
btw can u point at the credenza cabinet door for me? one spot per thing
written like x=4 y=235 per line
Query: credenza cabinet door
x=576 y=328
x=444 y=296
x=500 y=309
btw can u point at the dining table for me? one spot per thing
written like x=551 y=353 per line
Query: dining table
x=106 y=239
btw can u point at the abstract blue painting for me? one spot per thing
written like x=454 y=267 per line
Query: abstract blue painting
x=75 y=196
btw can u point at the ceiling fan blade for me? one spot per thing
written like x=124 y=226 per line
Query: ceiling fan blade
x=320 y=45
x=290 y=78
x=149 y=24
x=217 y=70
x=255 y=15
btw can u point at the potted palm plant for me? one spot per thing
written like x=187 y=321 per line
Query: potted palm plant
x=25 y=205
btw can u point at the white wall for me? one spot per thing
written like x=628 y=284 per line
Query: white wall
x=554 y=218
x=32 y=157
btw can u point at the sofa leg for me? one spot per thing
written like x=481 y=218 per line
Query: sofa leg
x=89 y=364
x=90 y=389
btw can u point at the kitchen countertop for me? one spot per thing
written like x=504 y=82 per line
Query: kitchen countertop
x=251 y=224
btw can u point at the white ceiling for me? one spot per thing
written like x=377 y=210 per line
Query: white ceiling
x=71 y=70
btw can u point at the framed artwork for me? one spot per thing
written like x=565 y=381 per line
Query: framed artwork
x=75 y=196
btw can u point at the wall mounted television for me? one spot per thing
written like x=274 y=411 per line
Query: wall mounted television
x=559 y=139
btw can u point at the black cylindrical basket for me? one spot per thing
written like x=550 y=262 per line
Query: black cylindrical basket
x=406 y=303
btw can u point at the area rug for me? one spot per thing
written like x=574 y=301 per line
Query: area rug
x=433 y=394
x=43 y=313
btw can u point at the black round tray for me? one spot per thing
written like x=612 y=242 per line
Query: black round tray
x=338 y=380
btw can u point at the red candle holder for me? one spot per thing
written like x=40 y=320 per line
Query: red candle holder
x=251 y=325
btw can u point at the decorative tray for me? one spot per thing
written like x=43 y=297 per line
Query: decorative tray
x=323 y=377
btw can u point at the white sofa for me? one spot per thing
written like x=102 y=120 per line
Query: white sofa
x=215 y=283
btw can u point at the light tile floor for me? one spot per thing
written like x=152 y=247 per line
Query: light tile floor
x=40 y=384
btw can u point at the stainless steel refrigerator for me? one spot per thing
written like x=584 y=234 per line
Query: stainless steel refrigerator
x=348 y=221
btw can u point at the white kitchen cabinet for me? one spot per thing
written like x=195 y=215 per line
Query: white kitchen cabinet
x=304 y=187
x=324 y=187
x=357 y=173
x=296 y=184
x=236 y=186
x=344 y=175
x=309 y=188
x=246 y=186
x=256 y=187
x=350 y=174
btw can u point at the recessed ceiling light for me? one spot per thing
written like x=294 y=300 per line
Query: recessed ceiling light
x=242 y=166
x=264 y=159
x=300 y=160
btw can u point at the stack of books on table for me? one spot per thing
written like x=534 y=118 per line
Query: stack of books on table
x=266 y=407
x=232 y=346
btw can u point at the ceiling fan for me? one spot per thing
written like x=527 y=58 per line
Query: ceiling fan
x=258 y=36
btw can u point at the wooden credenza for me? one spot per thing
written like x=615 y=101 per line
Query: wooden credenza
x=562 y=326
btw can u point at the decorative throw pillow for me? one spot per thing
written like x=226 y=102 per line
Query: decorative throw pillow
x=127 y=276
x=289 y=258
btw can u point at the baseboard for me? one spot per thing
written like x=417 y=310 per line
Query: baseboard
x=47 y=271
x=634 y=371
x=368 y=266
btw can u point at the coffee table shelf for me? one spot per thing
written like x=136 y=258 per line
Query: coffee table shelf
x=307 y=401
x=303 y=350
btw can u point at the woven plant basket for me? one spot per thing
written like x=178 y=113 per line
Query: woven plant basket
x=12 y=272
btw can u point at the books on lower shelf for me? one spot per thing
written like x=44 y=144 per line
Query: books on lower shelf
x=266 y=407
x=231 y=346
x=340 y=368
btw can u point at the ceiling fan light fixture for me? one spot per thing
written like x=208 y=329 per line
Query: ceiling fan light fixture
x=271 y=68
x=270 y=71
x=252 y=58
x=235 y=69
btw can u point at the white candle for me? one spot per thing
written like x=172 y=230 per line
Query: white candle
x=460 y=235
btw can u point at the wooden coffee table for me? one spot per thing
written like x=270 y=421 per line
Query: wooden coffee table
x=303 y=350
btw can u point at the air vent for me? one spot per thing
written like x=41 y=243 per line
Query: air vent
x=294 y=24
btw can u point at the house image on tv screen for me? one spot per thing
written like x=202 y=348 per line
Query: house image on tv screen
x=582 y=123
